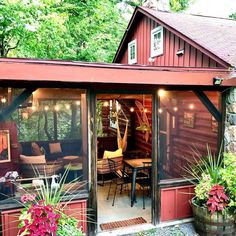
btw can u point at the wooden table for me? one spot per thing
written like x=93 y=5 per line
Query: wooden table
x=135 y=165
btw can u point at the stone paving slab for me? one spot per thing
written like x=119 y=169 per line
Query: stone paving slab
x=178 y=230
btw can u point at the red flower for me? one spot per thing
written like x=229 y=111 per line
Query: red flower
x=44 y=220
x=217 y=199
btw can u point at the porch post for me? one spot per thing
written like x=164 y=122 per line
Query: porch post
x=156 y=193
x=92 y=133
x=230 y=121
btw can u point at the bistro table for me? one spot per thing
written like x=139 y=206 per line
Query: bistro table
x=135 y=165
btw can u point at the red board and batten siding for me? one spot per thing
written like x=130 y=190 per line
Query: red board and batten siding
x=175 y=203
x=172 y=43
x=77 y=208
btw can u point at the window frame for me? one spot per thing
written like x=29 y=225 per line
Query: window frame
x=130 y=45
x=155 y=53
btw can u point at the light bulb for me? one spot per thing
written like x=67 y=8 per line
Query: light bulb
x=175 y=108
x=46 y=108
x=3 y=100
x=68 y=106
x=191 y=106
x=160 y=110
x=161 y=92
x=56 y=108
x=145 y=110
x=77 y=103
x=106 y=104
x=132 y=109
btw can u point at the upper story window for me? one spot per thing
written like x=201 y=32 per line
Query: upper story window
x=132 y=52
x=157 y=41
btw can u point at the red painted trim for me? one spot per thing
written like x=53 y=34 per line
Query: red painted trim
x=171 y=29
x=59 y=71
x=175 y=203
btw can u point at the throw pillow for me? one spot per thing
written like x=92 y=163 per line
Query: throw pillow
x=109 y=154
x=35 y=149
x=55 y=148
x=32 y=159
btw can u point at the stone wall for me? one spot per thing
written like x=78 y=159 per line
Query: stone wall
x=230 y=122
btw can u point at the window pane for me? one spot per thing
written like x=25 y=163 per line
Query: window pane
x=48 y=131
x=185 y=125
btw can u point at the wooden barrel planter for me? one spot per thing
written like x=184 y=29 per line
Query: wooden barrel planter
x=212 y=224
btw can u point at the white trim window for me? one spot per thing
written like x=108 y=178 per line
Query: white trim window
x=132 y=52
x=157 y=41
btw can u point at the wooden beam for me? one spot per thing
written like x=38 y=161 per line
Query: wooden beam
x=156 y=193
x=209 y=105
x=6 y=112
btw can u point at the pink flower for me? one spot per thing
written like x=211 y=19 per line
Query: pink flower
x=28 y=198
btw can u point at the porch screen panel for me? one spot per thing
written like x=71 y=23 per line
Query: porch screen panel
x=48 y=126
x=186 y=126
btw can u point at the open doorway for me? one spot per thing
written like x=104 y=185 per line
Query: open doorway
x=124 y=130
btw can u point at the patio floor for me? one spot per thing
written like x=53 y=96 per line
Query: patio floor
x=122 y=209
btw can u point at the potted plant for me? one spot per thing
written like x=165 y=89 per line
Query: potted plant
x=214 y=203
x=44 y=213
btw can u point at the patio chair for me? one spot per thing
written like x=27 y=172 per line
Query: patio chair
x=120 y=177
x=103 y=165
x=145 y=182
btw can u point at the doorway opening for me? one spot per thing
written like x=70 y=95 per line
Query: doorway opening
x=124 y=150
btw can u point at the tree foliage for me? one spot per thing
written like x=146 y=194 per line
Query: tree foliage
x=179 y=5
x=233 y=16
x=86 y=30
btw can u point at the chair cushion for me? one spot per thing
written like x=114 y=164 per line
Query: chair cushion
x=55 y=147
x=110 y=154
x=36 y=150
x=32 y=159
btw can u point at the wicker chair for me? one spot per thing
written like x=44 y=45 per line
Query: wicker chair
x=103 y=167
x=48 y=169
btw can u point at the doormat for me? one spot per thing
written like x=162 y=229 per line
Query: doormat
x=122 y=223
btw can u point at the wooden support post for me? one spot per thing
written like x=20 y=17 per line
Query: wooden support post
x=156 y=193
x=15 y=103
x=92 y=161
x=209 y=105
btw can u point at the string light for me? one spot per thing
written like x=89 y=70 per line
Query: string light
x=175 y=108
x=3 y=100
x=191 y=106
x=46 y=108
x=160 y=110
x=56 y=108
x=161 y=92
x=145 y=110
x=132 y=109
x=33 y=108
x=67 y=106
x=77 y=103
x=106 y=104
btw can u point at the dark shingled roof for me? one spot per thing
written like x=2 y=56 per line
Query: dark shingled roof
x=217 y=35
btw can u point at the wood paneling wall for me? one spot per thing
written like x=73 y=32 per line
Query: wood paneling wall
x=183 y=140
x=172 y=43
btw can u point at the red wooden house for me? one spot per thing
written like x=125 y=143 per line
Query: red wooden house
x=180 y=67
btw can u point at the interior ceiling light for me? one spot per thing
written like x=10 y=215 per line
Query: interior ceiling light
x=161 y=92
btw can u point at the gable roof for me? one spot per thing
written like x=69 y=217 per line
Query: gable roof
x=212 y=35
